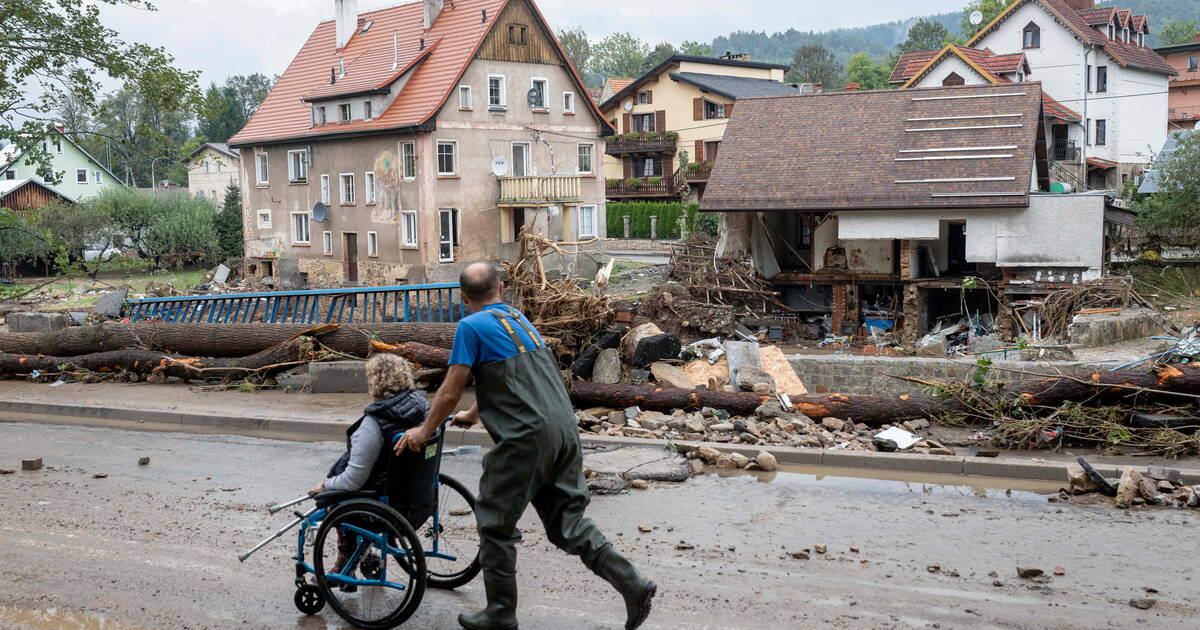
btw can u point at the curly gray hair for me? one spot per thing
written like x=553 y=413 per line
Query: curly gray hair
x=388 y=375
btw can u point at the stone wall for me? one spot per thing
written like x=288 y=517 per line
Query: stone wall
x=1101 y=329
x=867 y=375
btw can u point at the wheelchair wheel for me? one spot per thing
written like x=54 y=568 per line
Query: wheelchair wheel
x=384 y=580
x=452 y=541
x=309 y=599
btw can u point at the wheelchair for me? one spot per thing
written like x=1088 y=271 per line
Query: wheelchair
x=417 y=531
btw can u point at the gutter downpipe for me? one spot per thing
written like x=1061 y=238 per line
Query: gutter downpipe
x=1086 y=129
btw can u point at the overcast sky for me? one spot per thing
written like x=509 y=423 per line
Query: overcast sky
x=225 y=37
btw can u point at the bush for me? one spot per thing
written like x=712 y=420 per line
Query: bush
x=20 y=240
x=131 y=212
x=77 y=228
x=183 y=231
x=668 y=214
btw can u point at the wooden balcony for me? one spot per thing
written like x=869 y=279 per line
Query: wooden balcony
x=540 y=191
x=697 y=172
x=643 y=187
x=648 y=143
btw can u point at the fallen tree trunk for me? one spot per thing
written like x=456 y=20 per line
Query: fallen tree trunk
x=215 y=340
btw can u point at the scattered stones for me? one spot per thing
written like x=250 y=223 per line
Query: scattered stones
x=99 y=475
x=31 y=464
x=854 y=550
x=721 y=427
x=696 y=467
x=739 y=460
x=708 y=454
x=608 y=367
x=725 y=462
x=1165 y=486
x=1029 y=573
x=607 y=484
x=6 y=471
x=933 y=568
x=109 y=304
x=1059 y=570
x=1079 y=482
x=820 y=548
x=833 y=424
x=750 y=377
x=143 y=461
x=766 y=461
x=799 y=555
x=770 y=409
x=1127 y=489
x=669 y=375
x=1164 y=474
x=1143 y=603
x=684 y=546
x=645 y=529
x=639 y=484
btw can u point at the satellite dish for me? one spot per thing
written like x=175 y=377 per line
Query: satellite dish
x=533 y=97
x=319 y=212
x=499 y=166
x=628 y=105
x=977 y=17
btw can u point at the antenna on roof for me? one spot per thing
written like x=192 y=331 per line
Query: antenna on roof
x=332 y=76
x=421 y=44
x=484 y=20
x=395 y=50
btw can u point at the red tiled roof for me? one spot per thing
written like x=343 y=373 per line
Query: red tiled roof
x=1054 y=109
x=993 y=65
x=450 y=45
x=911 y=63
x=1124 y=16
x=1099 y=15
x=1100 y=163
x=616 y=85
x=1140 y=23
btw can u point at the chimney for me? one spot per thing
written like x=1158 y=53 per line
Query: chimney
x=852 y=86
x=1082 y=5
x=345 y=14
x=432 y=9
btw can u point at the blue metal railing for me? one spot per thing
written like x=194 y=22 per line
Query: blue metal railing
x=403 y=303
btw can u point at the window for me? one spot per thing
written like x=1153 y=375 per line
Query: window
x=586 y=151
x=369 y=186
x=81 y=176
x=10 y=175
x=464 y=97
x=97 y=176
x=643 y=122
x=520 y=159
x=496 y=96
x=1125 y=34
x=367 y=110
x=1193 y=63
x=408 y=155
x=518 y=35
x=1101 y=132
x=264 y=219
x=325 y=189
x=447 y=234
x=954 y=78
x=446 y=154
x=408 y=228
x=1101 y=78
x=300 y=233
x=1032 y=36
x=568 y=102
x=540 y=87
x=58 y=145
x=648 y=167
x=260 y=168
x=643 y=98
x=346 y=188
x=297 y=166
x=1087 y=79
x=344 y=112
x=322 y=118
x=372 y=243
x=713 y=110
x=327 y=242
x=587 y=222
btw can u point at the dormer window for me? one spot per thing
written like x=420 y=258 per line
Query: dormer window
x=954 y=78
x=1032 y=36
x=1125 y=34
x=518 y=35
x=344 y=112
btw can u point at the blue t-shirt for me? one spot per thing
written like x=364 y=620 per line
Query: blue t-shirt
x=481 y=338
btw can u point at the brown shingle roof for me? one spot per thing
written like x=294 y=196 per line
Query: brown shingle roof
x=871 y=150
x=1055 y=109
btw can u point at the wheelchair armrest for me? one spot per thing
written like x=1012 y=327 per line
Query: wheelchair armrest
x=330 y=497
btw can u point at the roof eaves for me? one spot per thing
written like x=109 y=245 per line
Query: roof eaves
x=676 y=76
x=352 y=133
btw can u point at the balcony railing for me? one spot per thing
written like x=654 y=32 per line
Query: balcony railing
x=642 y=142
x=540 y=190
x=667 y=186
x=697 y=171
x=1180 y=114
x=1064 y=151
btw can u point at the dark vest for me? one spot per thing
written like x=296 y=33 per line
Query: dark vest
x=394 y=416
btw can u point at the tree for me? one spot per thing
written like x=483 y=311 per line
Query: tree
x=228 y=107
x=579 y=50
x=989 y=8
x=868 y=74
x=1177 y=32
x=228 y=223
x=814 y=63
x=696 y=49
x=1171 y=213
x=183 y=230
x=661 y=53
x=144 y=139
x=620 y=55
x=131 y=213
x=53 y=51
x=925 y=35
x=79 y=226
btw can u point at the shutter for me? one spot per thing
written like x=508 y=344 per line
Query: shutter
x=699 y=156
x=649 y=97
x=729 y=110
x=697 y=109
x=660 y=120
x=627 y=121
x=628 y=164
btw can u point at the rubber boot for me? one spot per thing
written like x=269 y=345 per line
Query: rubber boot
x=501 y=610
x=636 y=590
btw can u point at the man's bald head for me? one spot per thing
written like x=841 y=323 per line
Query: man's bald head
x=480 y=281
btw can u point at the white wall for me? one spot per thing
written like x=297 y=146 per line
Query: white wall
x=952 y=63
x=1007 y=237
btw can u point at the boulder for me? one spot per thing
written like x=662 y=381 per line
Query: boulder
x=1079 y=482
x=668 y=375
x=109 y=304
x=708 y=454
x=1127 y=489
x=608 y=367
x=766 y=461
x=751 y=378
x=833 y=424
x=739 y=460
x=739 y=355
x=652 y=349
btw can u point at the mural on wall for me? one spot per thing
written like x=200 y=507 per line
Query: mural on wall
x=387 y=178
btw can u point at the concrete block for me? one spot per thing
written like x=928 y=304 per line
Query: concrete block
x=911 y=462
x=338 y=377
x=37 y=322
x=998 y=467
x=740 y=354
x=109 y=304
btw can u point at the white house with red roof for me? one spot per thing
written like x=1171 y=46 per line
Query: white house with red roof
x=419 y=135
x=1095 y=61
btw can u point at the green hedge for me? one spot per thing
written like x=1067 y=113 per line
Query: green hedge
x=668 y=214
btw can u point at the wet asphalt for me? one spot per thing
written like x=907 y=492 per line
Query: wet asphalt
x=156 y=547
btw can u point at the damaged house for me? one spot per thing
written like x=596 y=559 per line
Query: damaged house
x=896 y=208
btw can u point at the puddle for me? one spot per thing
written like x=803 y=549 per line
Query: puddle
x=901 y=482
x=18 y=618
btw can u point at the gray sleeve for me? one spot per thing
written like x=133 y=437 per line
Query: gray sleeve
x=364 y=450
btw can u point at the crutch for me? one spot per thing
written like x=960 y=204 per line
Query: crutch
x=299 y=519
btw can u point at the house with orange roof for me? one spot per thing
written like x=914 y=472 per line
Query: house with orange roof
x=1095 y=61
x=402 y=143
x=1183 y=102
x=958 y=65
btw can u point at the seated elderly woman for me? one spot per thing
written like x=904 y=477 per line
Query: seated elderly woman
x=397 y=408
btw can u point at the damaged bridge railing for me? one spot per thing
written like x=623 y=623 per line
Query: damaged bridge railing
x=402 y=303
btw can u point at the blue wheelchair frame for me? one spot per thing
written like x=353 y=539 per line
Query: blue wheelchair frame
x=314 y=518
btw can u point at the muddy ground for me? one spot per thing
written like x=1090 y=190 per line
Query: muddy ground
x=155 y=547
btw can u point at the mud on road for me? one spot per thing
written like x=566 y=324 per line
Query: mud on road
x=155 y=547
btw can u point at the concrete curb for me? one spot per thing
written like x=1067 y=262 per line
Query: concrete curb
x=266 y=427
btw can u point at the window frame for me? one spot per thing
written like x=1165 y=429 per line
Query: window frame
x=1193 y=63
x=453 y=144
x=408 y=160
x=58 y=145
x=1100 y=127
x=372 y=244
x=303 y=224
x=1101 y=73
x=262 y=212
x=527 y=164
x=262 y=168
x=453 y=240
x=719 y=110
x=1031 y=36
x=346 y=194
x=643 y=97
x=568 y=102
x=409 y=235
x=348 y=110
x=544 y=106
x=367 y=113
x=369 y=196
x=467 y=104
x=591 y=157
x=579 y=233
x=96 y=175
x=652 y=117
x=84 y=171
x=502 y=92
x=326 y=193
x=327 y=242
x=518 y=34
x=293 y=177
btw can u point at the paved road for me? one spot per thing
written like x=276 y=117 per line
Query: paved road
x=156 y=546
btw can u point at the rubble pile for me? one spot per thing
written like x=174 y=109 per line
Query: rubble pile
x=1157 y=486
